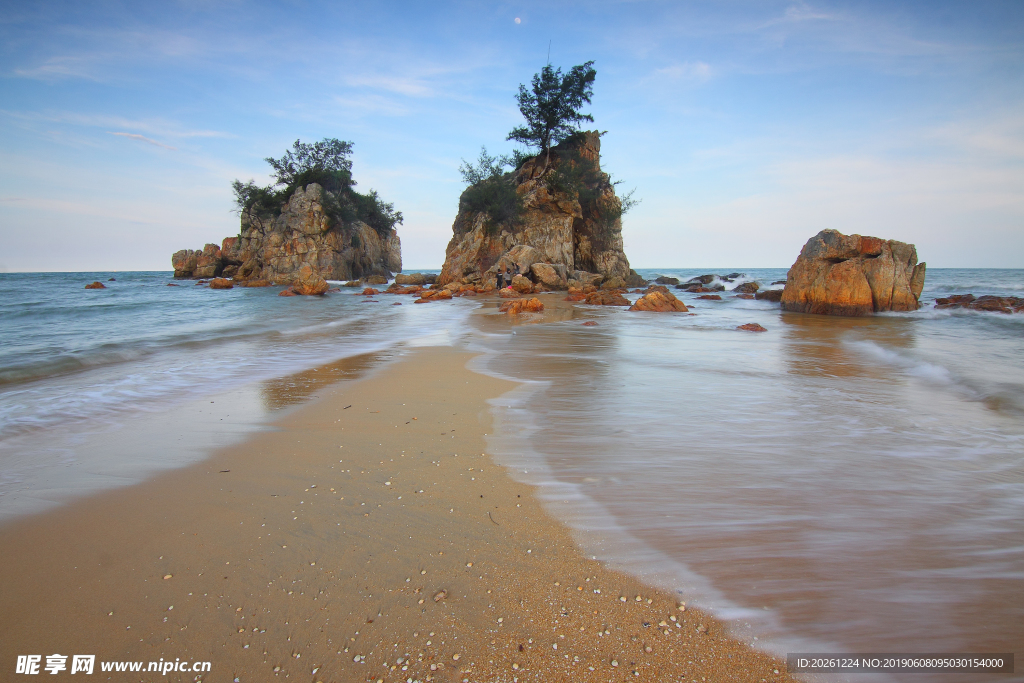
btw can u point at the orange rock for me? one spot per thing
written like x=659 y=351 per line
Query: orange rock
x=221 y=283
x=517 y=306
x=433 y=295
x=369 y=291
x=522 y=284
x=659 y=302
x=287 y=292
x=752 y=327
x=710 y=297
x=96 y=285
x=255 y=283
x=606 y=298
x=589 y=323
x=852 y=275
x=508 y=293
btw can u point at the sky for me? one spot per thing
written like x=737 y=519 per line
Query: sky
x=744 y=127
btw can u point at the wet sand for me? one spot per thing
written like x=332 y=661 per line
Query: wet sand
x=366 y=537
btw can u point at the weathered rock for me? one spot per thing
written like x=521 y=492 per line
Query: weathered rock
x=559 y=230
x=396 y=288
x=590 y=323
x=522 y=284
x=376 y=280
x=702 y=279
x=614 y=283
x=96 y=285
x=410 y=279
x=852 y=275
x=752 y=327
x=208 y=262
x=433 y=295
x=660 y=302
x=744 y=296
x=309 y=283
x=769 y=295
x=517 y=306
x=665 y=280
x=184 y=263
x=254 y=283
x=275 y=246
x=584 y=278
x=551 y=276
x=221 y=283
x=747 y=288
x=997 y=304
x=606 y=298
x=710 y=297
x=369 y=291
x=287 y=292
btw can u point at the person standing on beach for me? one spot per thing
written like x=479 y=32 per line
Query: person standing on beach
x=502 y=273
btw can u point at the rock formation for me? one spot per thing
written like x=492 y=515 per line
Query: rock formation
x=658 y=299
x=995 y=304
x=852 y=275
x=556 y=239
x=276 y=247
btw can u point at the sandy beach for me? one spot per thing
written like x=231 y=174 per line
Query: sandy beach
x=368 y=536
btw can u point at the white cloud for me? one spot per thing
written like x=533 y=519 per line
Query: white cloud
x=142 y=138
x=697 y=71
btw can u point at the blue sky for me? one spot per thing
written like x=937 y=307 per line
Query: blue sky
x=745 y=127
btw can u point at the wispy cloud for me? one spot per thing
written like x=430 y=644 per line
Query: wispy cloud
x=697 y=71
x=142 y=138
x=154 y=126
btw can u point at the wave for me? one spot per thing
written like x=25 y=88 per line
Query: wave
x=1002 y=396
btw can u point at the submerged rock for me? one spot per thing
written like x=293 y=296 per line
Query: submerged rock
x=220 y=283
x=851 y=275
x=997 y=304
x=752 y=327
x=769 y=295
x=517 y=306
x=96 y=285
x=606 y=298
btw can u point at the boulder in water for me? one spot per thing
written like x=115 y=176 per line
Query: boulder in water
x=851 y=275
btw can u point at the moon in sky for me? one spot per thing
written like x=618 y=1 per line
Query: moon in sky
x=518 y=20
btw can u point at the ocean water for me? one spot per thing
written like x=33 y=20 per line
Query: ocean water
x=95 y=384
x=831 y=484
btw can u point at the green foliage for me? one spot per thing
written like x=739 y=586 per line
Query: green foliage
x=327 y=163
x=490 y=190
x=581 y=179
x=330 y=156
x=552 y=106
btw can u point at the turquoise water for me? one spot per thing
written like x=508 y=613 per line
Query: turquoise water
x=831 y=484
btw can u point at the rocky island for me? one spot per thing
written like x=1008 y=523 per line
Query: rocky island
x=567 y=229
x=315 y=228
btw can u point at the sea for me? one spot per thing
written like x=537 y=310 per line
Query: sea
x=830 y=485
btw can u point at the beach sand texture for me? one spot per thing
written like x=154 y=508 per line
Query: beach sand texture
x=367 y=537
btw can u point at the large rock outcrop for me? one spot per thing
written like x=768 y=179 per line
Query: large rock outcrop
x=276 y=247
x=852 y=275
x=556 y=237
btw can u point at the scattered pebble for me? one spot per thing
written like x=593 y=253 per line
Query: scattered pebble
x=167 y=576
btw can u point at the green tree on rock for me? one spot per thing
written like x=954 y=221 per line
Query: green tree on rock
x=552 y=107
